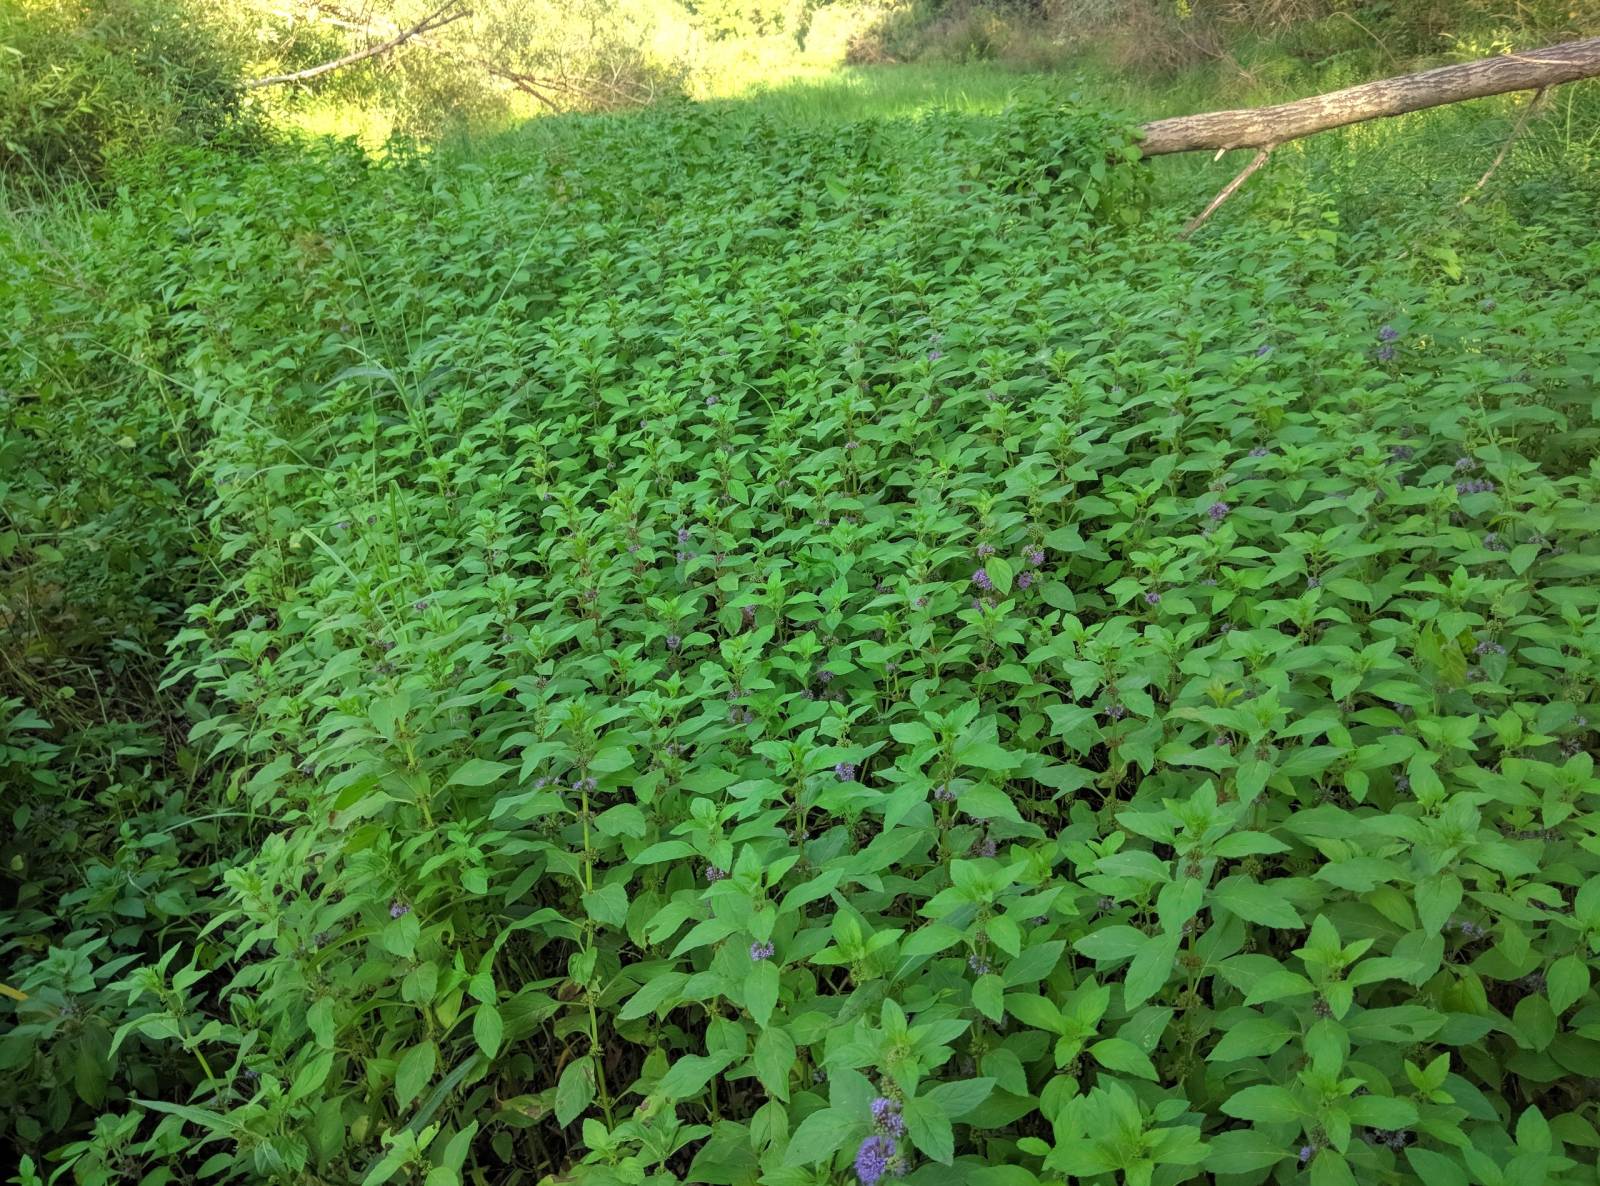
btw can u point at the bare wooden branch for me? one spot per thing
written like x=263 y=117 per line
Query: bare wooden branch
x=437 y=19
x=1499 y=157
x=1256 y=127
x=1227 y=191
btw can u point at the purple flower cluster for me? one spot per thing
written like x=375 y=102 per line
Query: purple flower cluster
x=1401 y=453
x=981 y=579
x=1260 y=451
x=1475 y=486
x=1035 y=556
x=1488 y=647
x=1385 y=353
x=1388 y=333
x=1151 y=597
x=1466 y=463
x=1024 y=580
x=985 y=847
x=673 y=642
x=845 y=771
x=943 y=794
x=714 y=874
x=886 y=1116
x=1218 y=511
x=873 y=1158
x=761 y=951
x=985 y=550
x=1494 y=543
x=978 y=964
x=399 y=909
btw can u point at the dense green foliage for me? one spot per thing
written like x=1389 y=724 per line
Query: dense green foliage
x=84 y=83
x=722 y=651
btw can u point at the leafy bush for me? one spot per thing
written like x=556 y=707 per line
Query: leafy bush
x=89 y=81
x=740 y=654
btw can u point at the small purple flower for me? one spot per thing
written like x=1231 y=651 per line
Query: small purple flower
x=981 y=579
x=342 y=525
x=886 y=1116
x=943 y=794
x=419 y=606
x=1385 y=353
x=1151 y=597
x=673 y=642
x=1388 y=333
x=1488 y=647
x=921 y=603
x=714 y=874
x=749 y=613
x=1489 y=306
x=399 y=909
x=1494 y=543
x=712 y=401
x=683 y=535
x=873 y=1157
x=1260 y=451
x=935 y=355
x=985 y=847
x=1313 y=582
x=761 y=951
x=985 y=550
x=1263 y=350
x=1036 y=556
x=1402 y=784
x=1466 y=463
x=1401 y=453
x=1475 y=486
x=1218 y=511
x=851 y=446
x=978 y=964
x=845 y=771
x=1024 y=579
x=1306 y=1153
x=1117 y=711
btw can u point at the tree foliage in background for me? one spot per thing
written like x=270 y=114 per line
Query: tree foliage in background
x=83 y=82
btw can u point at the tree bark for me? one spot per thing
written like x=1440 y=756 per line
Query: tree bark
x=1257 y=127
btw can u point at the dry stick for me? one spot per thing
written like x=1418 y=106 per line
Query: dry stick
x=437 y=19
x=1252 y=127
x=1522 y=122
x=1227 y=191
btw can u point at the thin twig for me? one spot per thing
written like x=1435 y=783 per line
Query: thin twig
x=437 y=19
x=1499 y=158
x=1227 y=191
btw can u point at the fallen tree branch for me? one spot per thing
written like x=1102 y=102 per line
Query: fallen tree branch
x=1257 y=127
x=1227 y=192
x=1499 y=157
x=435 y=20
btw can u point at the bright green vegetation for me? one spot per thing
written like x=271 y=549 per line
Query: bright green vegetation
x=607 y=652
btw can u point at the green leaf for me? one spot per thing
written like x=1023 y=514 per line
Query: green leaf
x=986 y=802
x=1243 y=1151
x=574 y=1090
x=1265 y=1104
x=487 y=1029
x=988 y=994
x=1256 y=903
x=660 y=989
x=774 y=1061
x=1118 y=1054
x=761 y=991
x=930 y=1129
x=478 y=773
x=1566 y=982
x=414 y=1071
x=688 y=1076
x=958 y=1099
x=820 y=1136
x=607 y=905
x=1150 y=968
